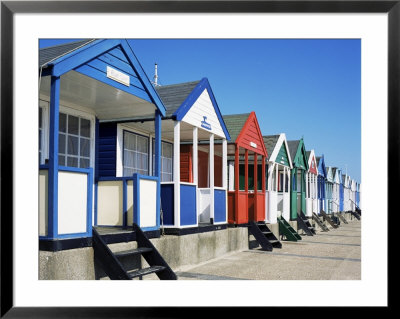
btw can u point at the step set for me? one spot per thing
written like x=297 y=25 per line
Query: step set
x=286 y=231
x=110 y=262
x=342 y=218
x=319 y=222
x=356 y=215
x=264 y=236
x=304 y=224
x=328 y=219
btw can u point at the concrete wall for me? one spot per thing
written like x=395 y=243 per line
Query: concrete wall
x=70 y=264
x=176 y=250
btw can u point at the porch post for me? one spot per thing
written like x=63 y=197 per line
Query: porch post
x=224 y=164
x=157 y=164
x=246 y=170
x=284 y=180
x=263 y=174
x=255 y=187
x=211 y=177
x=236 y=183
x=195 y=168
x=52 y=228
x=195 y=155
x=157 y=144
x=177 y=171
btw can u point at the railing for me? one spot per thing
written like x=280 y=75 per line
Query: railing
x=114 y=201
x=73 y=217
x=121 y=201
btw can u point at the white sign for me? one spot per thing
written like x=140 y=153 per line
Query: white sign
x=253 y=144
x=118 y=76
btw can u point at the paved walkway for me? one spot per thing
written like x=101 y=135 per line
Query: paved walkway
x=335 y=254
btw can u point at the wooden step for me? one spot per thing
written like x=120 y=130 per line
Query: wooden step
x=145 y=271
x=140 y=250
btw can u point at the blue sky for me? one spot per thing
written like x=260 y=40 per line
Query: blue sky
x=303 y=88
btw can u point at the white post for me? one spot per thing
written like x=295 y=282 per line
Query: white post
x=177 y=172
x=276 y=178
x=211 y=176
x=224 y=174
x=284 y=181
x=224 y=163
x=231 y=185
x=195 y=156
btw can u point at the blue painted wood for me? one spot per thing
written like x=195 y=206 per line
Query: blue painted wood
x=191 y=99
x=188 y=204
x=124 y=203
x=52 y=226
x=83 y=55
x=219 y=206
x=102 y=67
x=107 y=143
x=157 y=158
x=136 y=199
x=96 y=150
x=167 y=203
x=101 y=76
x=142 y=76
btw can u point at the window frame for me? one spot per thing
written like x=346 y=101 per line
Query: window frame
x=149 y=155
x=153 y=162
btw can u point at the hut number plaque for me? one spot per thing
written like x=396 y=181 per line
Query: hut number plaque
x=118 y=76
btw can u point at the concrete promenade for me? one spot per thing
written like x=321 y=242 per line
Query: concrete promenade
x=335 y=255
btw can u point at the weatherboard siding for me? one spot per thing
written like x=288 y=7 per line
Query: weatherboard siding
x=203 y=107
x=250 y=134
x=116 y=59
x=282 y=157
x=107 y=146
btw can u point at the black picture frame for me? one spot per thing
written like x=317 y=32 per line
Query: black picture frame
x=9 y=8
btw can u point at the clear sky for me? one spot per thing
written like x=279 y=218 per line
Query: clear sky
x=303 y=88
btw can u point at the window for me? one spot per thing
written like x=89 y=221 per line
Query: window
x=166 y=161
x=136 y=154
x=74 y=143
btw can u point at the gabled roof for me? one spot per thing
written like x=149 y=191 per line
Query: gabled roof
x=234 y=123
x=181 y=102
x=321 y=166
x=270 y=142
x=174 y=95
x=49 y=54
x=58 y=60
x=293 y=146
x=273 y=145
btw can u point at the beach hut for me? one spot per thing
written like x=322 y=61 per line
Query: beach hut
x=298 y=177
x=336 y=190
x=329 y=189
x=195 y=192
x=311 y=191
x=278 y=183
x=246 y=170
x=346 y=192
x=341 y=190
x=321 y=183
x=358 y=196
x=83 y=86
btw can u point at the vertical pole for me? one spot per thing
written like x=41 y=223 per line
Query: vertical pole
x=157 y=164
x=236 y=183
x=246 y=170
x=195 y=168
x=211 y=164
x=224 y=174
x=224 y=163
x=255 y=187
x=263 y=174
x=52 y=228
x=177 y=172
